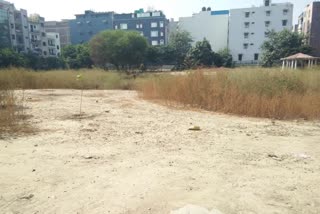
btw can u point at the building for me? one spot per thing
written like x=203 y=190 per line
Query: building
x=14 y=27
x=152 y=24
x=249 y=27
x=211 y=25
x=86 y=25
x=309 y=25
x=53 y=44
x=173 y=27
x=5 y=37
x=62 y=28
x=38 y=37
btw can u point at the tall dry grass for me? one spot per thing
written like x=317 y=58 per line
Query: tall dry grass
x=65 y=79
x=256 y=92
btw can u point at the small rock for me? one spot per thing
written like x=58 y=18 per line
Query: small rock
x=27 y=197
x=36 y=145
x=33 y=170
x=195 y=128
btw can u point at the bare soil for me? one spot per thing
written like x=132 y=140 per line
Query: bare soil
x=126 y=155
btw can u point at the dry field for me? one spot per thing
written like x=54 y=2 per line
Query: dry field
x=126 y=155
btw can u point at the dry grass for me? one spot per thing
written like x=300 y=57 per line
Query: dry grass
x=65 y=79
x=255 y=92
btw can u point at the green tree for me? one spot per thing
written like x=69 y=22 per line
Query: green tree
x=9 y=57
x=200 y=55
x=223 y=58
x=76 y=56
x=123 y=49
x=159 y=55
x=282 y=44
x=180 y=44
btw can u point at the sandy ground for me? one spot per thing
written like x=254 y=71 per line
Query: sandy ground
x=132 y=156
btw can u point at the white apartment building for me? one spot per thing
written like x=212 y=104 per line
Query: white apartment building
x=248 y=29
x=53 y=44
x=212 y=25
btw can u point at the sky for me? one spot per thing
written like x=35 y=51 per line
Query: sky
x=65 y=9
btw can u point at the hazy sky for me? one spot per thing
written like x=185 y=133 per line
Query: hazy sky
x=65 y=9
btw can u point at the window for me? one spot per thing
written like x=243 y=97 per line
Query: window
x=256 y=56
x=246 y=24
x=161 y=33
x=12 y=26
x=154 y=24
x=116 y=27
x=44 y=43
x=154 y=42
x=141 y=26
x=42 y=24
x=13 y=36
x=247 y=14
x=58 y=47
x=137 y=26
x=240 y=57
x=154 y=33
x=57 y=36
x=161 y=24
x=267 y=23
x=284 y=22
x=266 y=34
x=246 y=35
x=161 y=42
x=285 y=12
x=268 y=13
x=45 y=53
x=245 y=46
x=123 y=26
x=43 y=34
x=253 y=23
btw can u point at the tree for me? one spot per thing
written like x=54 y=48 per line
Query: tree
x=180 y=43
x=282 y=44
x=159 y=55
x=123 y=49
x=9 y=57
x=223 y=58
x=77 y=56
x=200 y=55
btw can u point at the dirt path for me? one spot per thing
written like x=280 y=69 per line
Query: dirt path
x=131 y=156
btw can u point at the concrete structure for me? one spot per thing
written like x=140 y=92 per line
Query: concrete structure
x=86 y=25
x=5 y=36
x=14 y=27
x=38 y=37
x=309 y=25
x=62 y=28
x=249 y=27
x=173 y=27
x=152 y=24
x=53 y=44
x=212 y=25
x=299 y=60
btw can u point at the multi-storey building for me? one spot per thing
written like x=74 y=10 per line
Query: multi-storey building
x=53 y=44
x=211 y=25
x=152 y=25
x=38 y=36
x=14 y=27
x=309 y=25
x=62 y=28
x=86 y=25
x=5 y=37
x=249 y=27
